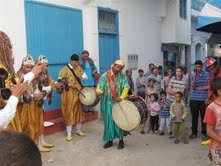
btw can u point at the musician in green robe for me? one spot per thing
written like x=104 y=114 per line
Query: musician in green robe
x=112 y=87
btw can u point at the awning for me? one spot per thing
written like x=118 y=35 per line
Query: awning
x=210 y=17
x=209 y=24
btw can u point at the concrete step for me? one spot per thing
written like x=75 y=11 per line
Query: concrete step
x=56 y=117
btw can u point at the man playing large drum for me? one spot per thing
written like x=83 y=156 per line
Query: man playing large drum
x=113 y=87
x=87 y=64
x=72 y=108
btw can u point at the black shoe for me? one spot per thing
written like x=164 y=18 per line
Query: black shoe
x=121 y=145
x=171 y=135
x=205 y=137
x=192 y=136
x=86 y=111
x=108 y=144
x=161 y=133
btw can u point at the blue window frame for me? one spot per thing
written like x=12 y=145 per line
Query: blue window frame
x=183 y=5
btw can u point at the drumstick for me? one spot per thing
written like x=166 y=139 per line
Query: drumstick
x=80 y=92
x=123 y=112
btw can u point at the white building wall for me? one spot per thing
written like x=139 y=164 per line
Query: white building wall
x=168 y=23
x=183 y=26
x=12 y=22
x=142 y=27
x=174 y=28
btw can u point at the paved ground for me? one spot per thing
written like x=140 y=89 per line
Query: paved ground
x=140 y=150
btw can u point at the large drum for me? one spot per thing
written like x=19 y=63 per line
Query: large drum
x=129 y=114
x=88 y=96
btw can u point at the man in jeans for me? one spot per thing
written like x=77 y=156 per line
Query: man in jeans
x=200 y=85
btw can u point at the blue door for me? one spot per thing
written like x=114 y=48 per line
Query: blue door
x=108 y=51
x=55 y=32
x=169 y=59
x=108 y=38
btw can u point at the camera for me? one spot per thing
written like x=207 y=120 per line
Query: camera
x=5 y=93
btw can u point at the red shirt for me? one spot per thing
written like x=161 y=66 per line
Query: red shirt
x=213 y=118
x=211 y=96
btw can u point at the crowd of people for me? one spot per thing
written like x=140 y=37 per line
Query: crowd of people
x=167 y=91
x=201 y=90
x=166 y=97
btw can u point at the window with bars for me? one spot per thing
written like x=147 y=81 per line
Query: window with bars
x=107 y=21
x=183 y=8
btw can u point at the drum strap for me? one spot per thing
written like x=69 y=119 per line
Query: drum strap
x=112 y=85
x=75 y=76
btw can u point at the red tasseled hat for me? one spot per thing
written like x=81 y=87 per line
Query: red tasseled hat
x=210 y=61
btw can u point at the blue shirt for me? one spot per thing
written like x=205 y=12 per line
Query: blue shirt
x=87 y=70
x=200 y=80
x=165 y=110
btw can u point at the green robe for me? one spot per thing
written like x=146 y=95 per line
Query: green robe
x=111 y=130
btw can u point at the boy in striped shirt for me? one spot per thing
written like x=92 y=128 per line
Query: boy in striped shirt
x=177 y=84
x=165 y=114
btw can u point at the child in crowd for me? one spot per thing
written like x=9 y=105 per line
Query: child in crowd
x=154 y=109
x=178 y=113
x=165 y=114
x=151 y=88
x=213 y=122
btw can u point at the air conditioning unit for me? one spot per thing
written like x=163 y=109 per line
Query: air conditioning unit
x=132 y=61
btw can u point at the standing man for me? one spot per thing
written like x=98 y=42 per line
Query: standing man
x=215 y=70
x=72 y=108
x=141 y=85
x=160 y=71
x=186 y=76
x=87 y=64
x=113 y=87
x=156 y=77
x=213 y=67
x=168 y=77
x=200 y=85
x=130 y=81
x=149 y=72
x=8 y=112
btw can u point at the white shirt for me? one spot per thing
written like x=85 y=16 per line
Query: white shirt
x=8 y=112
x=83 y=76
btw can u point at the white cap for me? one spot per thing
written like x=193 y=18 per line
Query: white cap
x=28 y=60
x=42 y=59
